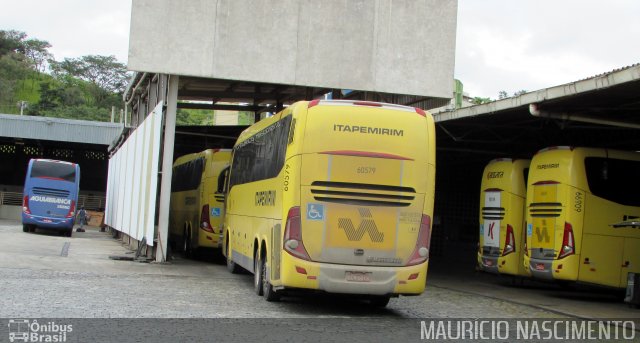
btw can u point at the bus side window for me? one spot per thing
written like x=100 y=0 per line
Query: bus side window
x=223 y=181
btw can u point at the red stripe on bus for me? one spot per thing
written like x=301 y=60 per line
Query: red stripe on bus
x=366 y=154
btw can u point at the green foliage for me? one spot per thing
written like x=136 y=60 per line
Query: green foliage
x=83 y=88
x=194 y=117
x=479 y=100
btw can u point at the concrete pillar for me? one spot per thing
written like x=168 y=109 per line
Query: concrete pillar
x=167 y=164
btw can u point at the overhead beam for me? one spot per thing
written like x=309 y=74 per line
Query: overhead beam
x=209 y=106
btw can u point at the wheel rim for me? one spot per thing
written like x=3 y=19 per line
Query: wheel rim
x=265 y=279
x=257 y=271
x=185 y=247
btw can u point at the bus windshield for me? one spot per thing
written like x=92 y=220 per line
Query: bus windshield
x=53 y=170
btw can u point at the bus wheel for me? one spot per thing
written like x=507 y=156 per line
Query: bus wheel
x=267 y=289
x=186 y=243
x=379 y=301
x=258 y=275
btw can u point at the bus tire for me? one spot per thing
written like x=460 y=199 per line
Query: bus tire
x=258 y=275
x=379 y=301
x=186 y=243
x=269 y=293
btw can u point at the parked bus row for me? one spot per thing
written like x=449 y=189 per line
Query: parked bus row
x=333 y=196
x=565 y=215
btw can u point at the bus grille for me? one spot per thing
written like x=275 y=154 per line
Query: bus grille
x=362 y=194
x=493 y=213
x=50 y=192
x=545 y=209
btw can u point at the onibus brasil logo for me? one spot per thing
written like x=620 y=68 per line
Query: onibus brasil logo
x=25 y=330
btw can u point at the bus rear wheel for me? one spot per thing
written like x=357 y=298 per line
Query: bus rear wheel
x=379 y=301
x=186 y=244
x=269 y=293
x=258 y=275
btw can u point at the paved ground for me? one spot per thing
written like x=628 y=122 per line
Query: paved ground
x=37 y=280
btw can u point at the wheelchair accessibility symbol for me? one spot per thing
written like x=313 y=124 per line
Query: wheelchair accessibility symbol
x=315 y=212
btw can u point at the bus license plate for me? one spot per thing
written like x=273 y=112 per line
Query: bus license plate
x=539 y=266
x=358 y=276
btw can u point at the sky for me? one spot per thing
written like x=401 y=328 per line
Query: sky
x=501 y=45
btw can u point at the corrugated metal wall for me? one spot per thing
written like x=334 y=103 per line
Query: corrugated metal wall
x=56 y=129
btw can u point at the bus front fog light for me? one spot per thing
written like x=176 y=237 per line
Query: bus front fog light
x=292 y=244
x=423 y=252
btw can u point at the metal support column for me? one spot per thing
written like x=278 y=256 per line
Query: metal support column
x=167 y=164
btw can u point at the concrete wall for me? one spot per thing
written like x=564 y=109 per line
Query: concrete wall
x=11 y=212
x=394 y=46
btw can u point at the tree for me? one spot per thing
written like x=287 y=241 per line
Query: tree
x=520 y=92
x=11 y=42
x=36 y=51
x=503 y=95
x=103 y=71
x=479 y=100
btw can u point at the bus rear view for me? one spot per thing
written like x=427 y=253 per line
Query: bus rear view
x=50 y=196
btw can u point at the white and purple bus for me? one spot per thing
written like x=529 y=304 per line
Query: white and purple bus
x=50 y=196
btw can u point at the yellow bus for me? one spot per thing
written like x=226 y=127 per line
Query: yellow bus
x=335 y=196
x=576 y=198
x=502 y=230
x=197 y=209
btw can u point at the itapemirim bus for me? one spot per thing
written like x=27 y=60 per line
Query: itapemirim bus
x=577 y=202
x=197 y=209
x=334 y=196
x=50 y=196
x=502 y=230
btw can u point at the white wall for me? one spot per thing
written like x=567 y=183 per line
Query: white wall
x=394 y=46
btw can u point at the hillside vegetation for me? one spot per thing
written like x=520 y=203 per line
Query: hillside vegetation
x=33 y=82
x=86 y=88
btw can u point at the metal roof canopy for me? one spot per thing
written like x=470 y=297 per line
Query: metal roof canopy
x=64 y=130
x=601 y=111
x=256 y=97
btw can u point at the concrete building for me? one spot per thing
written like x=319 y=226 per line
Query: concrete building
x=258 y=56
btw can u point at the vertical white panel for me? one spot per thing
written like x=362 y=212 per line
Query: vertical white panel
x=108 y=209
x=129 y=185
x=119 y=186
x=153 y=173
x=122 y=183
x=143 y=207
x=139 y=187
x=135 y=185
